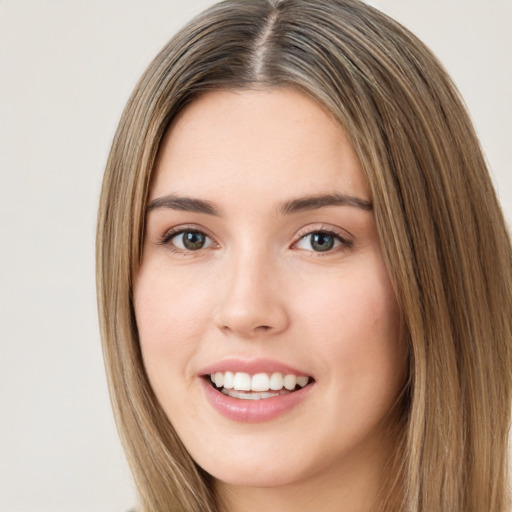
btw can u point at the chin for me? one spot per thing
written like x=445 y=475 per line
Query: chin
x=259 y=465
x=246 y=475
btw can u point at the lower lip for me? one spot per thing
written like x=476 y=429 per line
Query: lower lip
x=253 y=411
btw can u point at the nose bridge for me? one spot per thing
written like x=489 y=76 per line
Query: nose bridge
x=251 y=303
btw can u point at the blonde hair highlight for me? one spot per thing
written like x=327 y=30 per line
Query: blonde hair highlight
x=441 y=229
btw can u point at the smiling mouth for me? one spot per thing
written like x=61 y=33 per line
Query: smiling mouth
x=257 y=386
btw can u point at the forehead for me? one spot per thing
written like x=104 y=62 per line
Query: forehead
x=277 y=140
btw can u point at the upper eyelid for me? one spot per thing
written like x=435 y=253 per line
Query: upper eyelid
x=170 y=233
x=323 y=228
x=346 y=242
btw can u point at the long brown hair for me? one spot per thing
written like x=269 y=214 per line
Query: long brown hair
x=441 y=229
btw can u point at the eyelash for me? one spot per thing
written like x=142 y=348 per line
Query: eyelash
x=343 y=242
x=174 y=232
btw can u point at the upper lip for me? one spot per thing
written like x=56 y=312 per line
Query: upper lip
x=252 y=367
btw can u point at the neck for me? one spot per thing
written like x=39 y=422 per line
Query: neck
x=302 y=498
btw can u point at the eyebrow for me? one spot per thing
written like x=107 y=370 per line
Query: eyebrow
x=321 y=201
x=188 y=204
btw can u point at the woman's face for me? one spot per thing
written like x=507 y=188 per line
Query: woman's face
x=262 y=266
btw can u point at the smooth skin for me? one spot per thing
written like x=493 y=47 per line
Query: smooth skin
x=306 y=286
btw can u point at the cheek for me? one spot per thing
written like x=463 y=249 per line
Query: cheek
x=356 y=324
x=171 y=315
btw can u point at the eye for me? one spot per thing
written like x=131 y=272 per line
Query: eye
x=188 y=240
x=321 y=241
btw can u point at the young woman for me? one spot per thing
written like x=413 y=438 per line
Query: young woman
x=304 y=276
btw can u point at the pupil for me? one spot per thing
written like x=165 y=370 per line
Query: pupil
x=193 y=240
x=322 y=242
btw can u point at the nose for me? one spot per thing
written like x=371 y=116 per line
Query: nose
x=251 y=302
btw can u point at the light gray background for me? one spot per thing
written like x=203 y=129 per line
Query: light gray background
x=66 y=70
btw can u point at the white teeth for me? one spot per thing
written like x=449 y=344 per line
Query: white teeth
x=252 y=396
x=301 y=381
x=259 y=382
x=290 y=381
x=242 y=381
x=229 y=378
x=276 y=381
